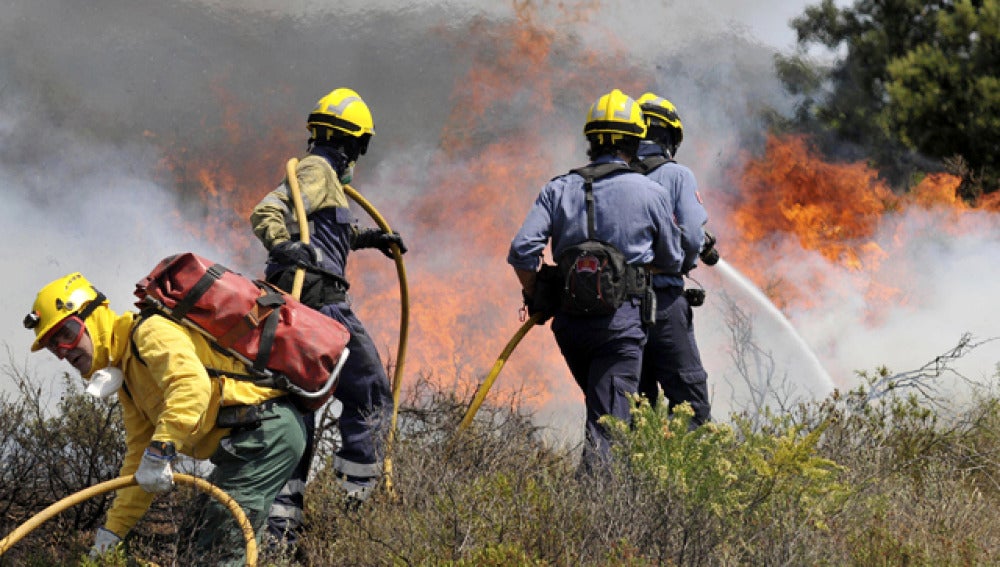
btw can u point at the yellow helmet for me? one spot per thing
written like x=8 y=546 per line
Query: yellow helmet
x=616 y=114
x=659 y=112
x=62 y=298
x=342 y=110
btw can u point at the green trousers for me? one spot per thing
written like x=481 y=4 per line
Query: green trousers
x=251 y=467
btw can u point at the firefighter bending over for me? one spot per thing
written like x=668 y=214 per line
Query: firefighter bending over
x=171 y=406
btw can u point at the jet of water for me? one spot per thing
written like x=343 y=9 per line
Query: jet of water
x=734 y=276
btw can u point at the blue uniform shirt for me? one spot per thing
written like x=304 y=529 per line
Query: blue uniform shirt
x=631 y=212
x=689 y=213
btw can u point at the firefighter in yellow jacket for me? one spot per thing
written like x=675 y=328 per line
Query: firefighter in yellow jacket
x=171 y=405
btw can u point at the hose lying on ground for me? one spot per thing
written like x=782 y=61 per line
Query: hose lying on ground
x=125 y=481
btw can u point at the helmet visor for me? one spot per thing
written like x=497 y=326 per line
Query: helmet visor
x=64 y=336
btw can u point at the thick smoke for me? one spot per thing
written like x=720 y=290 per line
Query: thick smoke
x=101 y=103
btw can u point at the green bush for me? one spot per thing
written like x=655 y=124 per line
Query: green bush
x=733 y=487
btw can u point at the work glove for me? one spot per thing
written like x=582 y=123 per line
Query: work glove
x=536 y=304
x=378 y=238
x=695 y=296
x=104 y=541
x=154 y=474
x=709 y=255
x=295 y=252
x=548 y=285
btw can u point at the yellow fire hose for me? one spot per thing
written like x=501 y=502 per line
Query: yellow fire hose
x=484 y=388
x=404 y=326
x=300 y=212
x=125 y=481
x=404 y=294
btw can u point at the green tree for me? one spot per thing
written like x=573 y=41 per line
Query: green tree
x=913 y=85
x=944 y=94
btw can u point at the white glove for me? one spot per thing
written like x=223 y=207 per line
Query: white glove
x=154 y=474
x=104 y=541
x=105 y=382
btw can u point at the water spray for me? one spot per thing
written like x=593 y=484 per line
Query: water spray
x=734 y=276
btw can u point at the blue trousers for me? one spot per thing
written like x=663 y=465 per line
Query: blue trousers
x=366 y=394
x=671 y=360
x=604 y=355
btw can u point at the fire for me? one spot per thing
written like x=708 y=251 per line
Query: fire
x=827 y=207
x=795 y=224
x=222 y=176
x=497 y=148
x=791 y=204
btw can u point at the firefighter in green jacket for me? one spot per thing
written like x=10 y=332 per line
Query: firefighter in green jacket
x=171 y=406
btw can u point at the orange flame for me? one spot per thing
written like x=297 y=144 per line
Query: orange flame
x=790 y=203
x=497 y=148
x=496 y=151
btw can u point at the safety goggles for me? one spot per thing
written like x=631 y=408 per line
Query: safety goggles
x=65 y=335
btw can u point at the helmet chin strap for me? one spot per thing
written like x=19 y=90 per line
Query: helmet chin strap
x=94 y=304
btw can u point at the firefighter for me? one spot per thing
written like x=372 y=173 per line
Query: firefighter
x=340 y=128
x=671 y=360
x=629 y=212
x=171 y=406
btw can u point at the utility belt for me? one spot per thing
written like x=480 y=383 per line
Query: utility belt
x=637 y=280
x=554 y=288
x=695 y=296
x=247 y=417
x=319 y=287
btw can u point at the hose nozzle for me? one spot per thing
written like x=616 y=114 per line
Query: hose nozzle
x=709 y=255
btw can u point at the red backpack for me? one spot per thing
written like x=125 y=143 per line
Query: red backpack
x=283 y=343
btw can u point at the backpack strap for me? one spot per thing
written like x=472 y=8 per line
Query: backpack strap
x=131 y=337
x=597 y=171
x=212 y=372
x=589 y=174
x=638 y=277
x=647 y=164
x=211 y=276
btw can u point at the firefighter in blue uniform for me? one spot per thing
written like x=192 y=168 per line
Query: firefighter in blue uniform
x=671 y=359
x=632 y=213
x=340 y=128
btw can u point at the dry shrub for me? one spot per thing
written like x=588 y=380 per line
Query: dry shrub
x=856 y=479
x=49 y=453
